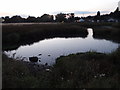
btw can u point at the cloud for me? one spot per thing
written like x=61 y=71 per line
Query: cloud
x=105 y=12
x=24 y=15
x=84 y=12
x=76 y=12
x=5 y=14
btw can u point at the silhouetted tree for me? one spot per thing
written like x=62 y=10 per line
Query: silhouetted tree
x=117 y=10
x=31 y=19
x=7 y=19
x=98 y=13
x=115 y=14
x=61 y=17
x=16 y=19
x=97 y=17
x=77 y=18
x=46 y=18
x=71 y=17
x=38 y=19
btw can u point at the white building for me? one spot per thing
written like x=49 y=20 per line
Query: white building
x=112 y=20
x=81 y=20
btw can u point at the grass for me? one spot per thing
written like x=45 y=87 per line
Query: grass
x=20 y=34
x=105 y=30
x=81 y=70
x=15 y=35
x=19 y=74
x=109 y=33
x=88 y=70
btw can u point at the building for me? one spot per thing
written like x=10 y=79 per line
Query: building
x=112 y=20
x=81 y=20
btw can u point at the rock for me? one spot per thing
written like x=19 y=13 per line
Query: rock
x=33 y=59
x=49 y=55
x=40 y=54
x=46 y=64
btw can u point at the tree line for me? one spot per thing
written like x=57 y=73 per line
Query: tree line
x=61 y=17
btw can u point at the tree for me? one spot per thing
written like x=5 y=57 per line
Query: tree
x=7 y=19
x=31 y=19
x=98 y=13
x=97 y=18
x=46 y=18
x=71 y=17
x=16 y=19
x=117 y=10
x=61 y=17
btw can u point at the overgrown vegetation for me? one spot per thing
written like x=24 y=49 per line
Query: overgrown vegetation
x=19 y=74
x=15 y=35
x=88 y=70
x=111 y=32
x=20 y=34
x=82 y=70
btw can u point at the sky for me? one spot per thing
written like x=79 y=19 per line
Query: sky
x=39 y=7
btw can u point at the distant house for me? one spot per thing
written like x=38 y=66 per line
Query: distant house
x=92 y=21
x=98 y=20
x=112 y=20
x=81 y=20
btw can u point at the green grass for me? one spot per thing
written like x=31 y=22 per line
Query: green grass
x=81 y=70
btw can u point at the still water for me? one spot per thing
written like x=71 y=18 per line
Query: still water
x=49 y=49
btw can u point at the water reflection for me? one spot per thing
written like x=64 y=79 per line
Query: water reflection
x=90 y=33
x=49 y=49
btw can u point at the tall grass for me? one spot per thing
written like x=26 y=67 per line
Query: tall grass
x=25 y=34
x=19 y=74
x=81 y=70
x=16 y=34
x=88 y=70
x=111 y=33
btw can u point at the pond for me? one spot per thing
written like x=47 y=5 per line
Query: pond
x=48 y=50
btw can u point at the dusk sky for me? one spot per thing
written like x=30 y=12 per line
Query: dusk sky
x=40 y=7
